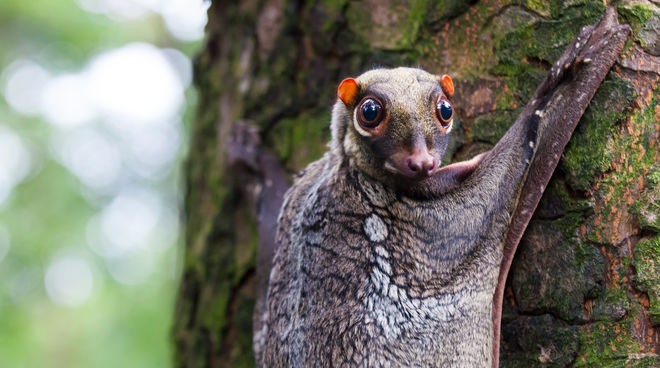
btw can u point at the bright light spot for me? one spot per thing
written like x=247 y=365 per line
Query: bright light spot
x=116 y=9
x=66 y=101
x=135 y=83
x=154 y=148
x=168 y=230
x=91 y=156
x=126 y=224
x=181 y=63
x=24 y=81
x=92 y=6
x=68 y=281
x=132 y=268
x=185 y=19
x=4 y=242
x=5 y=188
x=14 y=162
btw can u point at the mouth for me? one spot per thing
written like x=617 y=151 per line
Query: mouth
x=411 y=173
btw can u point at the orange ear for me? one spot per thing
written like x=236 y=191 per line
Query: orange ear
x=347 y=91
x=447 y=85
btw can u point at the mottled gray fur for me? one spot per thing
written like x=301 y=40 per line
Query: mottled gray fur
x=368 y=276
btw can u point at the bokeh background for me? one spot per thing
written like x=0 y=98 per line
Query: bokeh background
x=95 y=100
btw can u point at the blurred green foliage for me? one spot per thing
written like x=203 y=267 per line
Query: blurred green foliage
x=47 y=214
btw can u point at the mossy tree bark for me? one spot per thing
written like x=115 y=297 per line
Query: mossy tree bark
x=584 y=289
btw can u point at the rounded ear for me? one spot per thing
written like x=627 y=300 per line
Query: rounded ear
x=446 y=84
x=347 y=91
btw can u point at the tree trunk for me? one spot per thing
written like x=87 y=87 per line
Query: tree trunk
x=584 y=289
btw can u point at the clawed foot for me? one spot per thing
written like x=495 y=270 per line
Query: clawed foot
x=586 y=48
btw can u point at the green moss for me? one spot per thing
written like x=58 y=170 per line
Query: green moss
x=204 y=299
x=543 y=40
x=647 y=208
x=242 y=356
x=606 y=343
x=329 y=14
x=571 y=203
x=215 y=310
x=491 y=127
x=589 y=152
x=392 y=25
x=634 y=362
x=542 y=7
x=538 y=341
x=587 y=11
x=444 y=10
x=576 y=270
x=509 y=52
x=417 y=12
x=332 y=5
x=643 y=362
x=525 y=52
x=636 y=154
x=557 y=202
x=635 y=14
x=653 y=179
x=647 y=273
x=454 y=39
x=511 y=17
x=556 y=7
x=522 y=81
x=612 y=305
x=569 y=225
x=247 y=240
x=301 y=140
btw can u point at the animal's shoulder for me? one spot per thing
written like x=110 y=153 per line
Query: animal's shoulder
x=304 y=194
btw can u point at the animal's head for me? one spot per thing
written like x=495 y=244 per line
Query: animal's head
x=393 y=124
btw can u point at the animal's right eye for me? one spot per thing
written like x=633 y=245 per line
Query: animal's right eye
x=370 y=113
x=444 y=112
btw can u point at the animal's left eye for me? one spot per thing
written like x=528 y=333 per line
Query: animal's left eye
x=444 y=111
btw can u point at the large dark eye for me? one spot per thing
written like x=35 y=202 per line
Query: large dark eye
x=444 y=111
x=370 y=113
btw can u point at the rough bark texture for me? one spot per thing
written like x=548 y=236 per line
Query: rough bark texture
x=584 y=289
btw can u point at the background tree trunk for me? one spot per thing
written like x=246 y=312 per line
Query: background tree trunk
x=584 y=289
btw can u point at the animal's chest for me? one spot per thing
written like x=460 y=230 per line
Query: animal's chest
x=366 y=276
x=397 y=287
x=373 y=239
x=408 y=268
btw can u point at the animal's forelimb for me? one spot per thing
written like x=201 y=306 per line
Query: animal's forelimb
x=555 y=110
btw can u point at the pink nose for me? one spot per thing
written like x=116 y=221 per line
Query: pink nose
x=421 y=162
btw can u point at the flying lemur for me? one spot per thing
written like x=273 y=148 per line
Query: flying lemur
x=387 y=258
